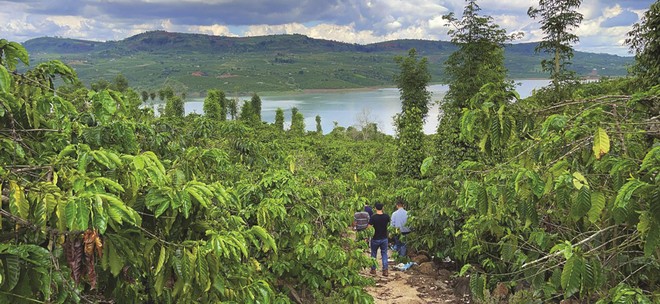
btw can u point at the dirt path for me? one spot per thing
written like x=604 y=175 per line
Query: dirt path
x=417 y=285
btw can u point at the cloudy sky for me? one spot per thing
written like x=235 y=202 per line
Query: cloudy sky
x=360 y=21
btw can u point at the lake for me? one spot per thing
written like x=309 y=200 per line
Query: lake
x=350 y=108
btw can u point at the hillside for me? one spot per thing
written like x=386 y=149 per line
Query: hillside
x=196 y=62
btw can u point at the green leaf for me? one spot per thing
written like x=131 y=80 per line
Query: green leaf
x=426 y=164
x=198 y=196
x=162 y=208
x=507 y=128
x=495 y=132
x=185 y=203
x=623 y=197
x=538 y=186
x=652 y=241
x=70 y=149
x=267 y=239
x=49 y=204
x=652 y=159
x=115 y=214
x=464 y=269
x=601 y=143
x=579 y=181
x=5 y=81
x=71 y=212
x=654 y=204
x=554 y=122
x=597 y=206
x=20 y=52
x=118 y=208
x=477 y=285
x=12 y=263
x=292 y=165
x=203 y=276
x=18 y=204
x=110 y=184
x=159 y=284
x=644 y=223
x=60 y=211
x=100 y=217
x=483 y=143
x=102 y=159
x=571 y=275
x=114 y=260
x=82 y=216
x=589 y=275
x=582 y=203
x=161 y=259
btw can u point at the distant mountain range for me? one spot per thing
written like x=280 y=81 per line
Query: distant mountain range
x=195 y=62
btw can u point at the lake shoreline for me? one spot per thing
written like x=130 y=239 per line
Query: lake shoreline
x=350 y=107
x=361 y=89
x=353 y=90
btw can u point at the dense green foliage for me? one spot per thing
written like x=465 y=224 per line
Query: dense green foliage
x=542 y=198
x=111 y=203
x=644 y=40
x=174 y=106
x=215 y=105
x=297 y=123
x=279 y=119
x=198 y=63
x=479 y=58
x=412 y=81
x=478 y=61
x=255 y=103
x=560 y=201
x=558 y=19
x=319 y=129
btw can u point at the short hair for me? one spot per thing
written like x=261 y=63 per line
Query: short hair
x=399 y=202
x=379 y=206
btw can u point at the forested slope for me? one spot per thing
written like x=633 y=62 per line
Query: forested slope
x=552 y=197
x=195 y=63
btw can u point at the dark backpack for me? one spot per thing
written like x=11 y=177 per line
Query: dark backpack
x=361 y=220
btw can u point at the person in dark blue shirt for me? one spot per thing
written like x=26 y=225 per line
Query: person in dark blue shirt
x=368 y=209
x=380 y=222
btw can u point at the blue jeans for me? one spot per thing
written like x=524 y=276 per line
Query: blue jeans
x=400 y=246
x=382 y=244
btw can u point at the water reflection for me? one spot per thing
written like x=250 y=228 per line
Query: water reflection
x=353 y=108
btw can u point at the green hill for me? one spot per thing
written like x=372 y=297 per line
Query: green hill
x=196 y=62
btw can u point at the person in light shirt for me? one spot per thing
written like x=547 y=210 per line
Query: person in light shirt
x=399 y=219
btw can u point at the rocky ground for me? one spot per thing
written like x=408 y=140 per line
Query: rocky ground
x=427 y=282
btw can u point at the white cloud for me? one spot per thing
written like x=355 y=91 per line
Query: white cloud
x=394 y=25
x=517 y=5
x=215 y=29
x=346 y=33
x=613 y=11
x=437 y=22
x=356 y=21
x=511 y=22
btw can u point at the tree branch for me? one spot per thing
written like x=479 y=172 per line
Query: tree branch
x=558 y=253
x=34 y=227
x=30 y=130
x=603 y=99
